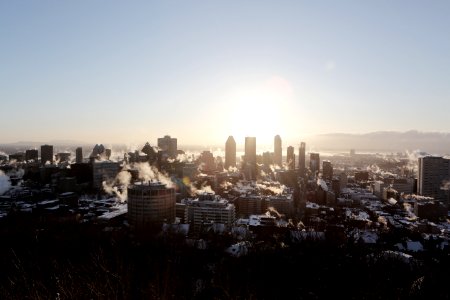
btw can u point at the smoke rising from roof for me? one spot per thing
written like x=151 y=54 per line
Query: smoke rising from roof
x=123 y=179
x=271 y=210
x=225 y=185
x=445 y=185
x=5 y=183
x=322 y=184
x=274 y=189
x=149 y=173
x=275 y=168
x=374 y=168
x=204 y=189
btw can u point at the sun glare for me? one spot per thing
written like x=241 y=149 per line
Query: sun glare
x=260 y=111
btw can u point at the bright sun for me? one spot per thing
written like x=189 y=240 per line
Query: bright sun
x=260 y=111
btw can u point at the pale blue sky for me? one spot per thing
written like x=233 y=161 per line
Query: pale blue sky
x=128 y=71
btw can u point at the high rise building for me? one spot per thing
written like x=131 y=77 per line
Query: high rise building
x=250 y=157
x=18 y=156
x=247 y=205
x=168 y=145
x=209 y=209
x=46 y=154
x=283 y=204
x=207 y=162
x=104 y=171
x=327 y=170
x=290 y=158
x=31 y=154
x=434 y=172
x=79 y=155
x=301 y=159
x=314 y=163
x=150 y=204
x=230 y=152
x=267 y=158
x=277 y=151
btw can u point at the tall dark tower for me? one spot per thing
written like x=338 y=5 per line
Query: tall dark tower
x=250 y=157
x=79 y=155
x=290 y=158
x=301 y=159
x=314 y=163
x=169 y=145
x=31 y=154
x=327 y=170
x=277 y=152
x=433 y=171
x=230 y=152
x=46 y=154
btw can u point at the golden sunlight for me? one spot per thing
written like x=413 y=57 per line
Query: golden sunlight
x=261 y=111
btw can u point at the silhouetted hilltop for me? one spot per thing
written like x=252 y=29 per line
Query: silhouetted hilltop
x=432 y=142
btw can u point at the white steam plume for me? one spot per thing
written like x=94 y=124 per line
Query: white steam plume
x=413 y=158
x=203 y=189
x=148 y=173
x=185 y=157
x=123 y=179
x=409 y=209
x=374 y=168
x=277 y=190
x=232 y=169
x=225 y=185
x=5 y=183
x=271 y=210
x=323 y=184
x=275 y=167
x=445 y=185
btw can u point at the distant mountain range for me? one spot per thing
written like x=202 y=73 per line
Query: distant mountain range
x=379 y=141
x=385 y=141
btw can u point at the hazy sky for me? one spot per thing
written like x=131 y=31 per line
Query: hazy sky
x=129 y=71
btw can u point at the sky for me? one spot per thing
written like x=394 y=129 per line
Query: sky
x=119 y=71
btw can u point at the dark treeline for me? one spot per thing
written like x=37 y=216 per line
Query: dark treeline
x=76 y=262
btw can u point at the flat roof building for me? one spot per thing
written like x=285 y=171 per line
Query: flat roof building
x=150 y=204
x=209 y=209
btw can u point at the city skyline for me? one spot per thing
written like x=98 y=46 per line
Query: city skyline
x=130 y=73
x=212 y=149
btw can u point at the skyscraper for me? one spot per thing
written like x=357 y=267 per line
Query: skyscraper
x=301 y=159
x=168 y=145
x=434 y=172
x=250 y=157
x=46 y=154
x=103 y=171
x=207 y=162
x=327 y=170
x=31 y=154
x=230 y=152
x=314 y=163
x=79 y=155
x=277 y=151
x=290 y=158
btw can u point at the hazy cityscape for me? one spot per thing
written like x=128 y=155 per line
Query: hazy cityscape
x=381 y=214
x=224 y=150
